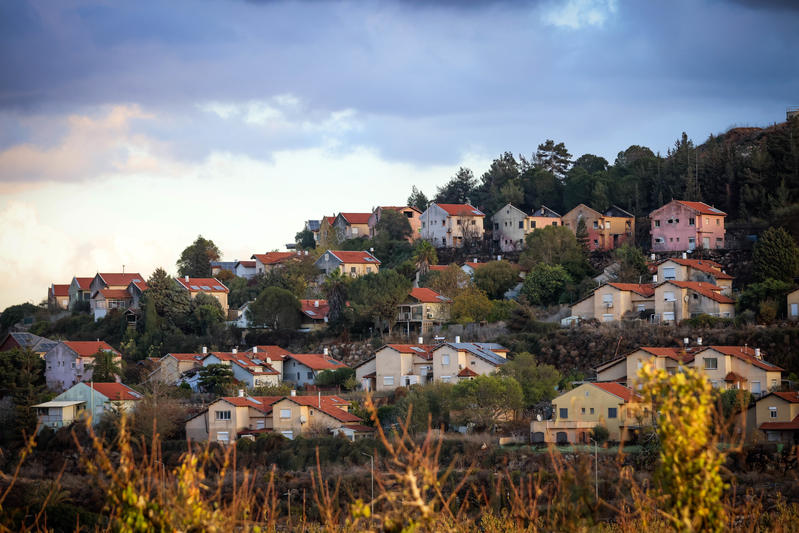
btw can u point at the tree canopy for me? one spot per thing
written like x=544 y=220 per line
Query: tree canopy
x=776 y=256
x=195 y=260
x=275 y=308
x=495 y=278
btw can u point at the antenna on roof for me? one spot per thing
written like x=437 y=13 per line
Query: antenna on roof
x=123 y=269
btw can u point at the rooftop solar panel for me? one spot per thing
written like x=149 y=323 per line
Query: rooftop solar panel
x=195 y=287
x=206 y=288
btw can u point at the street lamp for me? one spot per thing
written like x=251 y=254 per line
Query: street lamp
x=372 y=502
x=596 y=468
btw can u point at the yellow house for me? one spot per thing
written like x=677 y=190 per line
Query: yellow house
x=423 y=309
x=726 y=367
x=577 y=412
x=297 y=415
x=351 y=225
x=211 y=286
x=58 y=296
x=353 y=264
x=703 y=270
x=793 y=305
x=678 y=300
x=775 y=418
x=396 y=365
x=611 y=301
x=455 y=361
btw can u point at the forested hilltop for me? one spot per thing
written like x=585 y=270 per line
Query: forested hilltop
x=750 y=173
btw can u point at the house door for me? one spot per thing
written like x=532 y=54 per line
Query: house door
x=706 y=243
x=691 y=244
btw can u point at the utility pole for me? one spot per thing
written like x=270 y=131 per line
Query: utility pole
x=596 y=469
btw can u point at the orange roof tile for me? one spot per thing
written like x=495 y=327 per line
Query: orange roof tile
x=644 y=289
x=625 y=393
x=84 y=283
x=115 y=391
x=777 y=426
x=747 y=353
x=273 y=258
x=705 y=289
x=185 y=356
x=356 y=218
x=475 y=265
x=119 y=279
x=703 y=265
x=314 y=311
x=330 y=220
x=425 y=351
x=268 y=350
x=461 y=210
x=788 y=396
x=60 y=290
x=428 y=296
x=202 y=285
x=702 y=207
x=683 y=355
x=327 y=406
x=352 y=258
x=316 y=361
x=89 y=348
x=467 y=373
x=438 y=267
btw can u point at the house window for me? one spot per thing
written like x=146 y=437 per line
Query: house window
x=668 y=296
x=223 y=437
x=773 y=384
x=612 y=412
x=692 y=221
x=707 y=221
x=445 y=360
x=668 y=316
x=563 y=412
x=355 y=231
x=607 y=300
x=458 y=222
x=352 y=270
x=285 y=413
x=521 y=224
x=608 y=317
x=310 y=375
x=369 y=270
x=223 y=415
x=772 y=412
x=532 y=224
x=657 y=223
x=641 y=308
x=591 y=410
x=423 y=224
x=472 y=223
x=446 y=379
x=711 y=363
x=596 y=224
x=388 y=380
x=496 y=225
x=582 y=410
x=718 y=222
x=289 y=434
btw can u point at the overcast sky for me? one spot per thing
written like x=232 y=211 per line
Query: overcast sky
x=127 y=131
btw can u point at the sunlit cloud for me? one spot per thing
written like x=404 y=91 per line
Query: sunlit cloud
x=576 y=14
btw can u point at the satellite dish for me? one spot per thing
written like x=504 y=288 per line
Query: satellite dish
x=538 y=417
x=685 y=298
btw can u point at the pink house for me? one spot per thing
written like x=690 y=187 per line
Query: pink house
x=680 y=226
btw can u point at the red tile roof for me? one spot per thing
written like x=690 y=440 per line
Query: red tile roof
x=273 y=258
x=461 y=210
x=351 y=258
x=747 y=353
x=702 y=207
x=707 y=290
x=703 y=265
x=327 y=406
x=425 y=351
x=428 y=296
x=644 y=289
x=310 y=309
x=777 y=426
x=625 y=393
x=316 y=361
x=89 y=348
x=788 y=396
x=202 y=285
x=732 y=377
x=467 y=373
x=247 y=264
x=474 y=265
x=84 y=283
x=118 y=279
x=59 y=290
x=185 y=356
x=330 y=220
x=115 y=391
x=356 y=218
x=438 y=267
x=113 y=294
x=141 y=285
x=271 y=351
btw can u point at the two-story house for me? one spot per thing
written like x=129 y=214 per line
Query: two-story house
x=253 y=369
x=412 y=214
x=172 y=366
x=70 y=362
x=266 y=262
x=83 y=399
x=450 y=225
x=510 y=225
x=136 y=290
x=302 y=369
x=396 y=365
x=245 y=269
x=118 y=281
x=80 y=291
x=606 y=231
x=351 y=225
x=105 y=300
x=702 y=270
x=353 y=264
x=726 y=367
x=681 y=225
x=543 y=217
x=210 y=286
x=774 y=418
x=612 y=301
x=678 y=300
x=423 y=309
x=58 y=296
x=456 y=361
x=576 y=413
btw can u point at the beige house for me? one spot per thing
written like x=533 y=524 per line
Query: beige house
x=450 y=225
x=726 y=367
x=612 y=301
x=351 y=225
x=455 y=361
x=606 y=231
x=172 y=366
x=411 y=213
x=774 y=418
x=353 y=264
x=230 y=417
x=793 y=305
x=266 y=262
x=250 y=369
x=577 y=412
x=702 y=270
x=58 y=296
x=314 y=314
x=210 y=286
x=396 y=365
x=511 y=225
x=423 y=309
x=678 y=300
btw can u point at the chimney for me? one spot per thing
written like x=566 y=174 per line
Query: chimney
x=316 y=303
x=235 y=350
x=268 y=360
x=324 y=351
x=457 y=339
x=205 y=349
x=499 y=258
x=371 y=250
x=757 y=353
x=699 y=341
x=254 y=349
x=654 y=278
x=652 y=257
x=306 y=252
x=319 y=399
x=186 y=278
x=421 y=340
x=293 y=393
x=685 y=255
x=686 y=340
x=474 y=260
x=241 y=393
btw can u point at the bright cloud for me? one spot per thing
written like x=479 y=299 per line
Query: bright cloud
x=576 y=14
